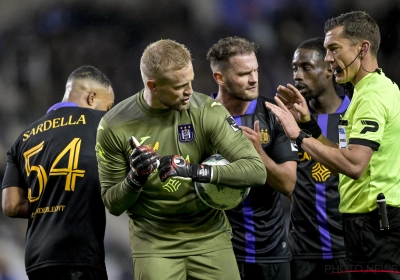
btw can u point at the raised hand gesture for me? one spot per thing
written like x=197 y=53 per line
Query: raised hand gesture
x=294 y=102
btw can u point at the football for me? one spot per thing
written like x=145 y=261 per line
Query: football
x=218 y=196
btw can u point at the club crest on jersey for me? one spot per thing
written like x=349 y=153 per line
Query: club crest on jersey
x=185 y=133
x=265 y=138
x=232 y=123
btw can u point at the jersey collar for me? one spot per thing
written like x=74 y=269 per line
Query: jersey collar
x=250 y=110
x=62 y=105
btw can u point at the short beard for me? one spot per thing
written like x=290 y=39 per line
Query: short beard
x=239 y=95
x=312 y=94
x=177 y=106
x=180 y=107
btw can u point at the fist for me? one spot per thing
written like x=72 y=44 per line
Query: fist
x=144 y=160
x=173 y=166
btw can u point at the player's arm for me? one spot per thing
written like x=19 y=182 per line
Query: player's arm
x=281 y=177
x=116 y=193
x=14 y=202
x=120 y=185
x=119 y=197
x=246 y=168
x=14 y=196
x=350 y=161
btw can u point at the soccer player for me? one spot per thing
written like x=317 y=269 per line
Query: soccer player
x=316 y=234
x=51 y=179
x=367 y=155
x=259 y=229
x=174 y=235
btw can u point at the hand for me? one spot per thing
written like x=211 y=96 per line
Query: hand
x=176 y=166
x=254 y=135
x=142 y=161
x=285 y=118
x=294 y=102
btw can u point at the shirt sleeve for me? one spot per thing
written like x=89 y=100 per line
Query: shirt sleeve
x=246 y=168
x=112 y=166
x=368 y=122
x=13 y=176
x=282 y=149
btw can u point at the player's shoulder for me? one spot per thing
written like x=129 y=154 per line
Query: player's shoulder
x=123 y=111
x=67 y=116
x=261 y=108
x=96 y=113
x=386 y=87
x=262 y=99
x=377 y=86
x=205 y=102
x=60 y=124
x=200 y=100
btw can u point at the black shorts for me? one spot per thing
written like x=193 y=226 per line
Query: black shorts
x=375 y=251
x=68 y=273
x=259 y=271
x=333 y=269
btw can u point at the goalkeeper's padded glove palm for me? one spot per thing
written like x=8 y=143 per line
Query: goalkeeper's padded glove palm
x=176 y=166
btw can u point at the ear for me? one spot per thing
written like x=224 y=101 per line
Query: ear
x=91 y=98
x=364 y=48
x=151 y=84
x=219 y=78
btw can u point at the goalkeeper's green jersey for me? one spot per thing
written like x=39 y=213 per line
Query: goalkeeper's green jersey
x=168 y=219
x=373 y=119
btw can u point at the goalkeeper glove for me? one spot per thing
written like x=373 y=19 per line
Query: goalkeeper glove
x=176 y=166
x=142 y=161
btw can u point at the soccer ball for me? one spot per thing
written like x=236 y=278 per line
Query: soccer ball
x=218 y=196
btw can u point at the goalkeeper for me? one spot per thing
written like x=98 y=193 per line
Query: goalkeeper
x=174 y=235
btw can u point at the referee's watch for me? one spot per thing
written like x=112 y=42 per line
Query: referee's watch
x=303 y=134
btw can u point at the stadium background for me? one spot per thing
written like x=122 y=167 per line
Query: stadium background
x=42 y=41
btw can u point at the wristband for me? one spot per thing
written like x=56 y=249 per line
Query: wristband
x=299 y=140
x=311 y=126
x=201 y=173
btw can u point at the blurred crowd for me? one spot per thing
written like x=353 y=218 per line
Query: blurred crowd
x=39 y=51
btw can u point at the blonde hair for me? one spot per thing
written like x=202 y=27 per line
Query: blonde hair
x=163 y=56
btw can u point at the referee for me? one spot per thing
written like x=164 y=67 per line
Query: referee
x=367 y=155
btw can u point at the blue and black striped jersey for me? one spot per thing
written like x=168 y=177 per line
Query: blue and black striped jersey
x=258 y=224
x=316 y=223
